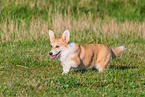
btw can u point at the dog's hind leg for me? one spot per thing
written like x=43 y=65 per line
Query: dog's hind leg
x=98 y=67
x=104 y=63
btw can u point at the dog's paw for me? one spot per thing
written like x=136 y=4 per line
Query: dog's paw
x=64 y=73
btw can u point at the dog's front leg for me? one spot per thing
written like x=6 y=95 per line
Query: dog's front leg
x=66 y=69
x=68 y=65
x=62 y=65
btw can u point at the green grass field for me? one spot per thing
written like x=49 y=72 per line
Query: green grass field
x=26 y=68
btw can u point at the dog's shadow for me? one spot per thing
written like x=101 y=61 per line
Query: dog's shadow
x=122 y=67
x=84 y=70
x=111 y=67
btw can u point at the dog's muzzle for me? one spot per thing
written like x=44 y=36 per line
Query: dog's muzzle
x=54 y=56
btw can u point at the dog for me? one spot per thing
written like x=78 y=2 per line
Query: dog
x=83 y=56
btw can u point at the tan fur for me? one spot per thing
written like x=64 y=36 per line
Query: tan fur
x=116 y=52
x=85 y=56
x=91 y=54
x=59 y=41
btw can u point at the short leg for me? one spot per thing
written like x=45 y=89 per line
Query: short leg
x=62 y=65
x=67 y=66
x=66 y=69
x=98 y=67
x=102 y=64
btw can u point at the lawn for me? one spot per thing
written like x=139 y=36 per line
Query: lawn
x=26 y=68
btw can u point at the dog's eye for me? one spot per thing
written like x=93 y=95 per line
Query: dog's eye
x=57 y=46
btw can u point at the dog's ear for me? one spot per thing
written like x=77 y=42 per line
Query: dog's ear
x=66 y=36
x=51 y=35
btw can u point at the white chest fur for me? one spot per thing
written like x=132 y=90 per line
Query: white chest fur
x=67 y=54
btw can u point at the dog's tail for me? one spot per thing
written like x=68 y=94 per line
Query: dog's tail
x=117 y=51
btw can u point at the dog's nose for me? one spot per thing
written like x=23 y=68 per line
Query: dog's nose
x=50 y=53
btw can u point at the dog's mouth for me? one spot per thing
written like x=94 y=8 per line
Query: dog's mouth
x=55 y=56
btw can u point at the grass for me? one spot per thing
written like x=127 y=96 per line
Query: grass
x=26 y=68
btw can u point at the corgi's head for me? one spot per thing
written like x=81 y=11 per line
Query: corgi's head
x=58 y=44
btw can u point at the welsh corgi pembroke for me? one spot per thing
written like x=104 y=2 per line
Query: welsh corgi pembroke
x=83 y=56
